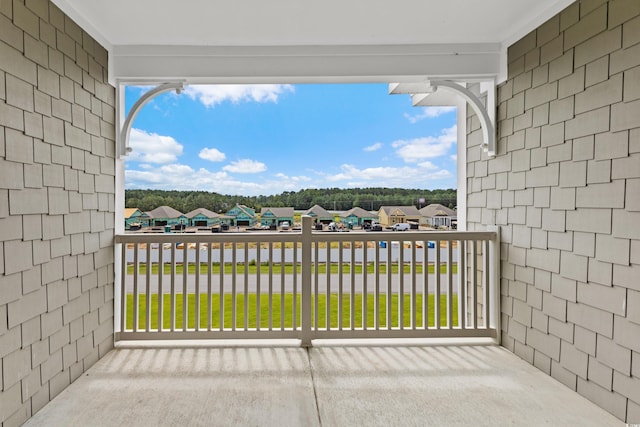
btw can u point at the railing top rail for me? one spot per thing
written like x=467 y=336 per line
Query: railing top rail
x=404 y=235
x=318 y=236
x=208 y=238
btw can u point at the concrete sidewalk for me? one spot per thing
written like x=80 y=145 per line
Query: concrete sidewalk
x=331 y=385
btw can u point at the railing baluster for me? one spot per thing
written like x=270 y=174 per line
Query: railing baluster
x=340 y=284
x=352 y=293
x=425 y=284
x=376 y=297
x=234 y=284
x=436 y=298
x=209 y=287
x=136 y=272
x=296 y=268
x=401 y=280
x=414 y=305
x=185 y=294
x=474 y=283
x=316 y=273
x=365 y=290
x=246 y=286
x=258 y=289
x=389 y=314
x=462 y=283
x=449 y=284
x=221 y=286
x=486 y=274
x=197 y=296
x=160 y=286
x=328 y=287
x=270 y=286
x=123 y=289
x=147 y=297
x=173 y=288
x=282 y=287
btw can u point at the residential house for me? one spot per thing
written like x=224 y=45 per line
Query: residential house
x=132 y=218
x=167 y=216
x=202 y=217
x=276 y=216
x=436 y=215
x=357 y=217
x=240 y=215
x=319 y=214
x=389 y=215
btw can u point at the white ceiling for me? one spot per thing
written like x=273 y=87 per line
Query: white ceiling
x=188 y=38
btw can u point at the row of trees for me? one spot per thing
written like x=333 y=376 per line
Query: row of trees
x=329 y=198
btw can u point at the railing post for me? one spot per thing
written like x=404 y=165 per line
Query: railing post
x=494 y=281
x=305 y=327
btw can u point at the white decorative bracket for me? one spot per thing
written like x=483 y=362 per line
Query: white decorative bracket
x=426 y=93
x=123 y=145
x=488 y=128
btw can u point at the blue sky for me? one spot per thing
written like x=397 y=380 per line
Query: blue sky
x=265 y=139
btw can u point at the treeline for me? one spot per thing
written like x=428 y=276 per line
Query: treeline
x=329 y=198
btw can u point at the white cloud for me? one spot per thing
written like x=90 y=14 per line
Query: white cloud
x=428 y=165
x=454 y=157
x=246 y=166
x=153 y=148
x=211 y=95
x=416 y=150
x=428 y=113
x=389 y=176
x=296 y=179
x=374 y=147
x=212 y=154
x=184 y=177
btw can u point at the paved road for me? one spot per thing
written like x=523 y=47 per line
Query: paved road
x=286 y=283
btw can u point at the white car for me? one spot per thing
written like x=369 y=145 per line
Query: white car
x=403 y=226
x=284 y=225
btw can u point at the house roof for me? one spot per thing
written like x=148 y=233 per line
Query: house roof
x=203 y=211
x=128 y=212
x=405 y=210
x=436 y=209
x=162 y=39
x=318 y=211
x=279 y=212
x=358 y=212
x=245 y=209
x=164 y=212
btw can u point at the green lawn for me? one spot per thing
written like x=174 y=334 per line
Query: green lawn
x=288 y=268
x=283 y=313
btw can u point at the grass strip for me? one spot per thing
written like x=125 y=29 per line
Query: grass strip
x=284 y=314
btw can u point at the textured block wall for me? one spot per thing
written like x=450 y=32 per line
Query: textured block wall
x=565 y=188
x=57 y=196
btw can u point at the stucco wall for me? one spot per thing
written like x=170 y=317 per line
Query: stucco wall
x=565 y=188
x=56 y=205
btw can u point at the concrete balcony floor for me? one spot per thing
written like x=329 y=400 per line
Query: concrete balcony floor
x=333 y=385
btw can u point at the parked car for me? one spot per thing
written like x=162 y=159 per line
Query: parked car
x=402 y=226
x=375 y=227
x=284 y=225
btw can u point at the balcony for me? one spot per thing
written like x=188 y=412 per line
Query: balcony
x=312 y=328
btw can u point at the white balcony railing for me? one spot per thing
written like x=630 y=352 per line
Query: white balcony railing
x=308 y=285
